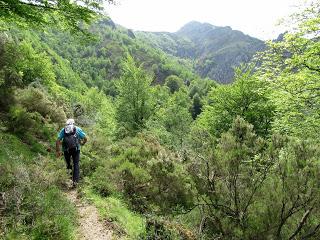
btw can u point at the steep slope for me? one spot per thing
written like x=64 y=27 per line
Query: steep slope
x=100 y=60
x=214 y=50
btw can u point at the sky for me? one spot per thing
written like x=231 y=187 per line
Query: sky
x=257 y=18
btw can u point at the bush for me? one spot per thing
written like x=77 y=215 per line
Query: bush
x=21 y=121
x=32 y=206
x=101 y=182
x=157 y=228
x=148 y=175
x=30 y=128
x=174 y=83
x=36 y=100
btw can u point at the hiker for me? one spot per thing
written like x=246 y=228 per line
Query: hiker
x=71 y=137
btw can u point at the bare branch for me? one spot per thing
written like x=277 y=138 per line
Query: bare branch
x=301 y=223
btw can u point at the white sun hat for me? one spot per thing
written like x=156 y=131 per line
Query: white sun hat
x=70 y=121
x=69 y=125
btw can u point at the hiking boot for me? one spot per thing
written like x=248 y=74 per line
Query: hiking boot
x=74 y=184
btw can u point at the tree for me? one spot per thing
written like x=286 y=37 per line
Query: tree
x=196 y=106
x=247 y=97
x=174 y=83
x=291 y=66
x=20 y=65
x=250 y=188
x=134 y=99
x=198 y=92
x=171 y=123
x=42 y=12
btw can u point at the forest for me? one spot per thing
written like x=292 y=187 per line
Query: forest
x=171 y=152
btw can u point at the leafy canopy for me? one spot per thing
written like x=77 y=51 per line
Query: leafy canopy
x=42 y=12
x=247 y=97
x=134 y=100
x=292 y=67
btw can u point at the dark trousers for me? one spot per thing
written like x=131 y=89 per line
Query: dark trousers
x=75 y=155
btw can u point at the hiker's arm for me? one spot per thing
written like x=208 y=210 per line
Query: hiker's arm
x=58 y=148
x=82 y=136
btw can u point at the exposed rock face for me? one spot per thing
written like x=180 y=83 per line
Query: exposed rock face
x=131 y=34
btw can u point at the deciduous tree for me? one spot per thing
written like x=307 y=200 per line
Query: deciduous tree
x=42 y=12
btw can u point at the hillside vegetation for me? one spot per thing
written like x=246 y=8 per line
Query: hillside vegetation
x=171 y=153
x=214 y=51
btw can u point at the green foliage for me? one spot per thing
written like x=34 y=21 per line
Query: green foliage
x=33 y=117
x=67 y=14
x=134 y=100
x=32 y=206
x=36 y=100
x=247 y=97
x=198 y=91
x=20 y=120
x=21 y=64
x=94 y=108
x=101 y=182
x=201 y=87
x=172 y=121
x=158 y=228
x=227 y=175
x=174 y=83
x=249 y=186
x=148 y=175
x=196 y=106
x=291 y=66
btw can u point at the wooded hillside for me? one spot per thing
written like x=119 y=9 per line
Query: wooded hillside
x=171 y=153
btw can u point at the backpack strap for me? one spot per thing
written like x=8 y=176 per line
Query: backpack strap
x=74 y=130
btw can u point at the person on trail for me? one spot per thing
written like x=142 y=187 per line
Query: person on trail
x=71 y=137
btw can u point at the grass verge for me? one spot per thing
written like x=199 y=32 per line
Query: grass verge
x=124 y=223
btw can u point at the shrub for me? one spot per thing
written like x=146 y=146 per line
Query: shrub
x=174 y=83
x=20 y=120
x=149 y=175
x=157 y=228
x=102 y=183
x=36 y=100
x=32 y=207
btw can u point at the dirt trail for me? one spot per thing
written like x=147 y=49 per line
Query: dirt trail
x=91 y=228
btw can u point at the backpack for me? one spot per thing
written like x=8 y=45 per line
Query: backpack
x=71 y=140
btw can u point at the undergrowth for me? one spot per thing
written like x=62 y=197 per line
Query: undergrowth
x=32 y=205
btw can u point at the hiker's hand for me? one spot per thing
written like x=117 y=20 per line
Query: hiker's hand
x=58 y=154
x=83 y=141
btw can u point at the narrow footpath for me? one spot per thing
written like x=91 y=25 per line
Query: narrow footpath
x=91 y=227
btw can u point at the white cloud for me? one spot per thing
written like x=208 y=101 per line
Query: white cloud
x=254 y=17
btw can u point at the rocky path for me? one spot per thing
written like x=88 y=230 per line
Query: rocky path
x=91 y=227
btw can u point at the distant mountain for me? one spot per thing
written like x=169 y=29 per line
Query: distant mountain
x=214 y=50
x=197 y=50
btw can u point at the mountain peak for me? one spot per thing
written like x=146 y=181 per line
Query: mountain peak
x=195 y=25
x=217 y=50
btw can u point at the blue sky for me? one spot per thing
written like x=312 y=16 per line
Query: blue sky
x=258 y=18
